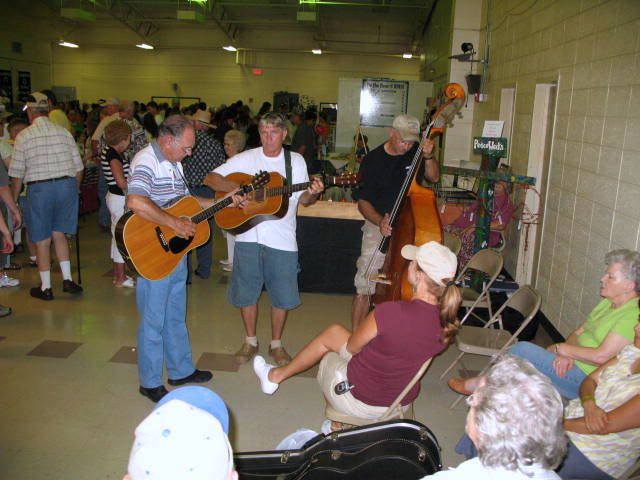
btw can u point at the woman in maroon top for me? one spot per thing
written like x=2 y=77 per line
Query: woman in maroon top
x=362 y=372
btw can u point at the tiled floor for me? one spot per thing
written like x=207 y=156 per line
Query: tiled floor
x=69 y=402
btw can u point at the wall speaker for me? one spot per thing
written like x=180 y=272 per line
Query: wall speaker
x=474 y=80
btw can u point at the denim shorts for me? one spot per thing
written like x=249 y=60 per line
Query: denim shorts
x=255 y=266
x=52 y=207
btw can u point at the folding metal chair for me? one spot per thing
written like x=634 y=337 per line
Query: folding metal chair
x=489 y=262
x=395 y=410
x=490 y=341
x=452 y=242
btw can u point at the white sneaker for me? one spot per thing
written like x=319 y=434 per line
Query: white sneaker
x=261 y=369
x=225 y=261
x=227 y=268
x=7 y=281
x=127 y=283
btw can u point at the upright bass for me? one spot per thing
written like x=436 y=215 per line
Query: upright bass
x=414 y=217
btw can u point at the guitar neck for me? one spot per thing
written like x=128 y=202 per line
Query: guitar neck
x=287 y=189
x=209 y=212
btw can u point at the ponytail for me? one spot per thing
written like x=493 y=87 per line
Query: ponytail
x=449 y=299
x=449 y=303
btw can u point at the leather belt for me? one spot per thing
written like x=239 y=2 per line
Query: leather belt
x=49 y=180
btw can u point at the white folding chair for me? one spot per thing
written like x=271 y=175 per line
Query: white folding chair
x=490 y=341
x=395 y=410
x=489 y=262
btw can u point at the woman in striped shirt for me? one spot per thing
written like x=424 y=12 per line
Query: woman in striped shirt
x=115 y=168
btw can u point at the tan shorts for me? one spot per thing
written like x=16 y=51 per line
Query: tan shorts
x=371 y=237
x=333 y=370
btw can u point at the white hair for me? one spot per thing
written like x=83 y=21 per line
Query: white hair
x=629 y=261
x=518 y=416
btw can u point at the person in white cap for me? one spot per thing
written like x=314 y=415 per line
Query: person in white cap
x=46 y=158
x=183 y=439
x=382 y=174
x=362 y=372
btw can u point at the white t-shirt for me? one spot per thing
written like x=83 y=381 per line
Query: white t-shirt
x=473 y=469
x=279 y=234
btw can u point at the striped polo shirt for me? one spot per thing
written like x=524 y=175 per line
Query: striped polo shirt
x=153 y=176
x=106 y=156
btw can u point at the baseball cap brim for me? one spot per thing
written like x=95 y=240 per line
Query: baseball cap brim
x=202 y=398
x=409 y=252
x=408 y=136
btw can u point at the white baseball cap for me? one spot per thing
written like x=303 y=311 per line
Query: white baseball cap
x=180 y=441
x=434 y=259
x=408 y=127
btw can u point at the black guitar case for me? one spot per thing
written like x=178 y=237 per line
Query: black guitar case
x=397 y=449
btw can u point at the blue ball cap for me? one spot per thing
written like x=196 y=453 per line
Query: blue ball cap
x=202 y=398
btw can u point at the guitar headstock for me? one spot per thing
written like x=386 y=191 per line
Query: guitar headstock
x=344 y=180
x=258 y=181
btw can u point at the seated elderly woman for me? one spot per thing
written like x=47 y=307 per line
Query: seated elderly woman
x=515 y=423
x=607 y=330
x=603 y=425
x=374 y=363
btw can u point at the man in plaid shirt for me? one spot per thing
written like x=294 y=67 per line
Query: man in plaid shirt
x=207 y=155
x=46 y=158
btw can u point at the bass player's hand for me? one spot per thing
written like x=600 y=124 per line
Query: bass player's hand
x=184 y=227
x=385 y=226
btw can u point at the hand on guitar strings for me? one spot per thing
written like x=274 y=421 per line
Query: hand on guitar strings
x=184 y=227
x=316 y=186
x=237 y=200
x=385 y=226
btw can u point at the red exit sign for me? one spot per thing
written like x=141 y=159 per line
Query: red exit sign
x=256 y=71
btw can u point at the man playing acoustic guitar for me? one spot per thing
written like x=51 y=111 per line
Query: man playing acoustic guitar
x=267 y=254
x=157 y=180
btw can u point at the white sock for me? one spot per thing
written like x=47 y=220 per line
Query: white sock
x=261 y=369
x=275 y=344
x=65 y=266
x=45 y=279
x=253 y=341
x=17 y=237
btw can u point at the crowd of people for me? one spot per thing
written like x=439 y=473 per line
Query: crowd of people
x=150 y=155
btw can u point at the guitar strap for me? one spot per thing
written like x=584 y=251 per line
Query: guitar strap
x=287 y=165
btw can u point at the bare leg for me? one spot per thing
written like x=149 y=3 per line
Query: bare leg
x=359 y=309
x=330 y=340
x=118 y=272
x=43 y=254
x=278 y=318
x=249 y=317
x=61 y=246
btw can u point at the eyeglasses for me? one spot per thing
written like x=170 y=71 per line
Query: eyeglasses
x=185 y=150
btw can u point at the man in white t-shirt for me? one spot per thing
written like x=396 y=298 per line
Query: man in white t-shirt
x=267 y=254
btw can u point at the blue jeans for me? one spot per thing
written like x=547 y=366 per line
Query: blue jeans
x=568 y=386
x=204 y=253
x=574 y=465
x=162 y=335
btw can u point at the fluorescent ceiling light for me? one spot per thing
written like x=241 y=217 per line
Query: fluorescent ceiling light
x=407 y=55
x=229 y=48
x=144 y=46
x=316 y=51
x=62 y=43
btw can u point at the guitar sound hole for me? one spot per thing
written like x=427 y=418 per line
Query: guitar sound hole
x=178 y=244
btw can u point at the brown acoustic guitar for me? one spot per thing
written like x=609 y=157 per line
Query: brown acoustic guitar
x=270 y=202
x=154 y=251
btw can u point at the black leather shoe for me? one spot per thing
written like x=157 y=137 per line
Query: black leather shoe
x=153 y=394
x=198 y=376
x=69 y=286
x=37 y=292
